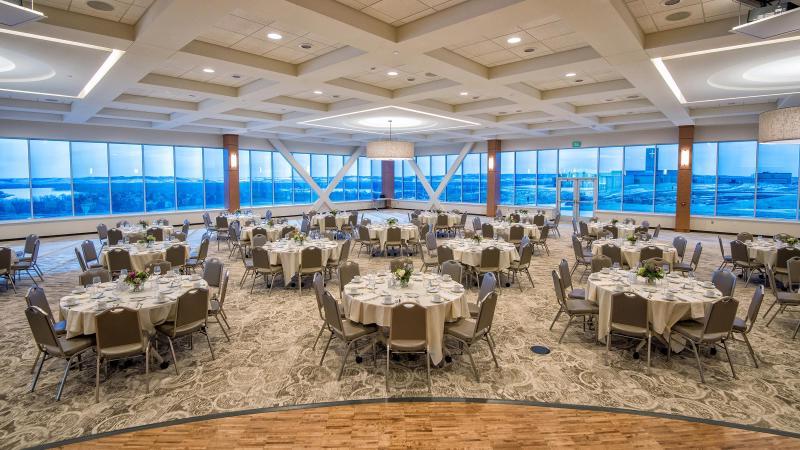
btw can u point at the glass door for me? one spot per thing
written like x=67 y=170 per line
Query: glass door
x=586 y=197
x=576 y=197
x=566 y=196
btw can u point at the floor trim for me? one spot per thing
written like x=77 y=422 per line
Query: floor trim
x=243 y=412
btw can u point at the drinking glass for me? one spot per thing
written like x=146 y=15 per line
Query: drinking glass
x=157 y=271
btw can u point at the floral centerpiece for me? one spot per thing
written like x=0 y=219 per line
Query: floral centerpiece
x=143 y=223
x=270 y=223
x=523 y=211
x=791 y=241
x=150 y=240
x=298 y=237
x=651 y=272
x=403 y=275
x=477 y=239
x=136 y=279
x=238 y=212
x=392 y=221
x=614 y=222
x=632 y=239
x=438 y=211
x=334 y=212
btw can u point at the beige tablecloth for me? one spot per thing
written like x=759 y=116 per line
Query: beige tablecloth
x=273 y=232
x=631 y=253
x=469 y=253
x=431 y=218
x=689 y=301
x=152 y=311
x=765 y=252
x=379 y=232
x=141 y=255
x=503 y=229
x=319 y=220
x=367 y=306
x=287 y=254
x=623 y=231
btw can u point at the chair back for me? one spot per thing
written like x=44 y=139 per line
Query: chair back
x=430 y=241
x=657 y=231
x=559 y=289
x=202 y=252
x=344 y=253
x=463 y=221
x=577 y=249
x=721 y=247
x=207 y=220
x=784 y=254
x=36 y=297
x=6 y=266
x=117 y=326
x=400 y=263
x=409 y=322
x=490 y=258
x=725 y=281
x=185 y=227
x=35 y=252
x=543 y=232
x=86 y=277
x=651 y=251
x=311 y=258
x=115 y=236
x=441 y=221
x=102 y=231
x=347 y=271
x=754 y=308
x=212 y=272
x=221 y=222
x=793 y=268
x=444 y=253
x=223 y=289
x=258 y=240
x=487 y=306
x=260 y=258
x=564 y=274
x=305 y=225
x=393 y=235
x=318 y=284
x=452 y=268
x=584 y=228
x=739 y=252
x=330 y=222
x=628 y=308
x=698 y=250
x=719 y=321
x=744 y=236
x=192 y=308
x=600 y=262
x=515 y=233
x=333 y=315
x=487 y=230
x=268 y=214
x=613 y=230
x=525 y=255
x=488 y=285
x=156 y=232
x=258 y=231
x=118 y=259
x=164 y=266
x=575 y=229
x=513 y=218
x=538 y=220
x=680 y=245
x=613 y=252
x=352 y=219
x=30 y=242
x=42 y=329
x=176 y=255
x=287 y=231
x=363 y=233
x=476 y=223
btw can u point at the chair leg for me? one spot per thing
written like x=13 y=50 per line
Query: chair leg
x=558 y=314
x=697 y=358
x=566 y=327
x=491 y=350
x=172 y=351
x=730 y=361
x=97 y=380
x=386 y=375
x=777 y=311
x=38 y=371
x=327 y=344
x=223 y=328
x=147 y=368
x=795 y=330
x=319 y=335
x=64 y=377
x=750 y=348
x=428 y=363
x=472 y=362
x=649 y=339
x=36 y=361
x=530 y=278
x=344 y=360
x=208 y=339
x=770 y=307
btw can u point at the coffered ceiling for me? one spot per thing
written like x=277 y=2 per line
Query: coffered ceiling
x=272 y=68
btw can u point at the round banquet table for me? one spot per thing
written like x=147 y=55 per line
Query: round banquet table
x=287 y=254
x=631 y=253
x=136 y=233
x=366 y=304
x=689 y=300
x=431 y=219
x=468 y=252
x=319 y=220
x=242 y=218
x=623 y=231
x=156 y=304
x=141 y=254
x=273 y=232
x=763 y=251
x=503 y=229
x=379 y=232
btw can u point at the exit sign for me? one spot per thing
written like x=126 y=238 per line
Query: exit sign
x=576 y=144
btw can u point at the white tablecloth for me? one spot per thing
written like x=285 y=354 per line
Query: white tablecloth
x=431 y=218
x=273 y=232
x=623 y=231
x=367 y=306
x=287 y=254
x=379 y=232
x=319 y=220
x=631 y=253
x=503 y=229
x=468 y=252
x=141 y=254
x=80 y=317
x=765 y=252
x=689 y=301
x=136 y=232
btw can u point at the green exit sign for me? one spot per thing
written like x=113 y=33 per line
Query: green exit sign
x=576 y=144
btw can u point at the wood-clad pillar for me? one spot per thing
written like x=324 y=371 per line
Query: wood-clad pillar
x=387 y=180
x=683 y=211
x=493 y=148
x=230 y=144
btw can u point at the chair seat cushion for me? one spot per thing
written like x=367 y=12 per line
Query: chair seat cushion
x=121 y=351
x=408 y=345
x=578 y=293
x=788 y=298
x=628 y=330
x=578 y=306
x=781 y=270
x=682 y=267
x=739 y=324
x=694 y=331
x=354 y=330
x=72 y=346
x=169 y=329
x=463 y=329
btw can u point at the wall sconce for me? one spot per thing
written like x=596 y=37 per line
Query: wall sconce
x=234 y=162
x=685 y=158
x=491 y=163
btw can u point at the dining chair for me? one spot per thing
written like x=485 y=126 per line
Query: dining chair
x=118 y=259
x=198 y=259
x=350 y=333
x=629 y=318
x=115 y=236
x=522 y=266
x=726 y=259
x=488 y=284
x=489 y=263
x=86 y=277
x=119 y=335
x=600 y=262
x=408 y=334
x=212 y=274
x=217 y=304
x=515 y=234
x=571 y=307
x=680 y=247
x=487 y=231
x=344 y=255
x=394 y=239
x=690 y=267
x=791 y=298
x=454 y=269
x=744 y=236
x=566 y=281
x=740 y=255
x=36 y=297
x=346 y=272
x=310 y=263
x=782 y=256
x=650 y=251
x=176 y=256
x=102 y=234
x=261 y=267
x=400 y=263
x=191 y=316
x=581 y=259
x=156 y=232
x=724 y=281
x=542 y=240
x=468 y=332
x=163 y=266
x=743 y=326
x=443 y=253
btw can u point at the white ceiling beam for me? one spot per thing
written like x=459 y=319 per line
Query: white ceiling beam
x=133 y=114
x=633 y=118
x=160 y=104
x=636 y=105
x=32 y=106
x=592 y=90
x=731 y=110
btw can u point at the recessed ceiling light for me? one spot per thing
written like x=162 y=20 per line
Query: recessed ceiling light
x=476 y=97
x=335 y=95
x=514 y=40
x=274 y=36
x=529 y=50
x=305 y=45
x=633 y=96
x=318 y=92
x=430 y=74
x=609 y=99
x=391 y=73
x=51 y=100
x=670 y=2
x=570 y=74
x=680 y=15
x=464 y=93
x=236 y=76
x=410 y=79
x=501 y=112
x=579 y=80
x=100 y=6
x=208 y=70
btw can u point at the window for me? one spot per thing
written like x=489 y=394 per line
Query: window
x=319 y=173
x=666 y=178
x=127 y=184
x=776 y=197
x=704 y=178
x=159 y=178
x=213 y=171
x=424 y=164
x=507 y=171
x=438 y=170
x=609 y=179
x=244 y=178
x=736 y=178
x=409 y=181
x=335 y=164
x=546 y=179
x=350 y=181
x=282 y=179
x=15 y=192
x=377 y=177
x=483 y=177
x=51 y=183
x=189 y=177
x=261 y=177
x=525 y=178
x=577 y=162
x=398 y=180
x=453 y=190
x=364 y=179
x=301 y=189
x=471 y=178
x=90 y=178
x=638 y=178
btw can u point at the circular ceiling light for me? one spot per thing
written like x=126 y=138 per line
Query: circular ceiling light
x=570 y=74
x=274 y=36
x=208 y=70
x=785 y=70
x=318 y=92
x=6 y=65
x=514 y=40
x=391 y=73
x=677 y=16
x=397 y=122
x=463 y=94
x=100 y=6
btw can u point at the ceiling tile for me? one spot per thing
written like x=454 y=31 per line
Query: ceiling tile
x=695 y=17
x=238 y=25
x=657 y=6
x=254 y=45
x=550 y=30
x=399 y=8
x=221 y=37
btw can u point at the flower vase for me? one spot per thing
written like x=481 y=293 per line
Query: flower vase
x=651 y=281
x=403 y=284
x=138 y=287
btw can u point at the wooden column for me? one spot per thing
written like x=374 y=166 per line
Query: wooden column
x=387 y=181
x=493 y=148
x=230 y=144
x=683 y=211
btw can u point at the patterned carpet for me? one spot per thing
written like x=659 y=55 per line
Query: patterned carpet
x=270 y=362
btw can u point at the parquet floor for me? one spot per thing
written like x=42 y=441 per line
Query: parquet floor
x=435 y=424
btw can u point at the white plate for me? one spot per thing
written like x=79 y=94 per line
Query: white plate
x=71 y=303
x=79 y=291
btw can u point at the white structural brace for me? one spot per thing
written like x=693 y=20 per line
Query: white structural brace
x=421 y=177
x=283 y=150
x=324 y=197
x=434 y=200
